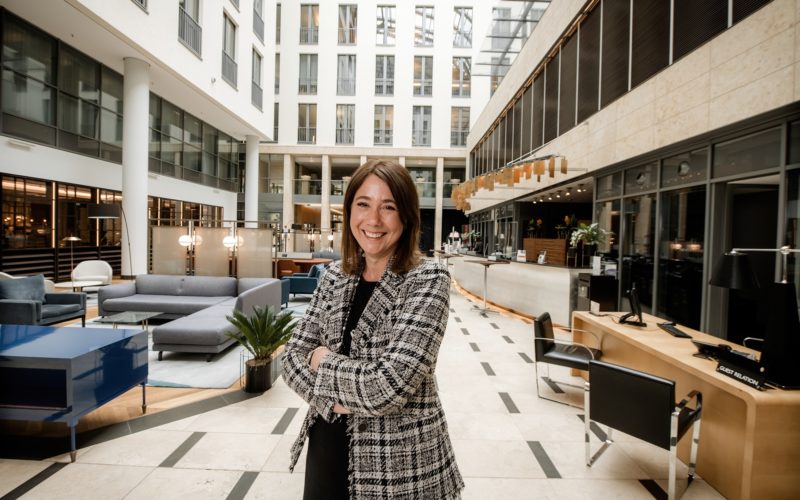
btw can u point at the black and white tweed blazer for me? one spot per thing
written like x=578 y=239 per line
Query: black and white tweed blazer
x=399 y=445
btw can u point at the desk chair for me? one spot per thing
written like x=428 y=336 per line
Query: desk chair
x=643 y=406
x=286 y=267
x=549 y=350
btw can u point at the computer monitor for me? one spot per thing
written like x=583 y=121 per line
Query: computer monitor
x=634 y=317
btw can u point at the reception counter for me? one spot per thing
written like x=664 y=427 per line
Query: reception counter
x=529 y=289
x=750 y=439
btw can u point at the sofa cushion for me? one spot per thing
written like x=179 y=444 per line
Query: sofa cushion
x=169 y=304
x=158 y=284
x=206 y=327
x=248 y=283
x=208 y=286
x=28 y=288
x=53 y=310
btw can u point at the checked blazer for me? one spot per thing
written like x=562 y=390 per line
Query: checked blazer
x=399 y=445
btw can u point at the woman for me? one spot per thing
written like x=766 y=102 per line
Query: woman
x=363 y=357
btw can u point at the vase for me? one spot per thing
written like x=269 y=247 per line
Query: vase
x=257 y=375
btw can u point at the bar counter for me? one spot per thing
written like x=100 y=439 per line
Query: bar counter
x=526 y=288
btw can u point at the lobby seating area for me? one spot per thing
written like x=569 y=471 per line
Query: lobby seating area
x=24 y=301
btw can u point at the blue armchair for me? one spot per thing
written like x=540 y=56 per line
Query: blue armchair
x=305 y=282
x=23 y=301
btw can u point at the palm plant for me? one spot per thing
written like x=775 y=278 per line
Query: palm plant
x=262 y=332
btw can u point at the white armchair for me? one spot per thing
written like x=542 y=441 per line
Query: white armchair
x=93 y=270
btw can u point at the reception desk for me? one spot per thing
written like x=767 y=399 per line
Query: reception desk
x=529 y=289
x=750 y=439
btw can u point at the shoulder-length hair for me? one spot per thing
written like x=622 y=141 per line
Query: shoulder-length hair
x=405 y=197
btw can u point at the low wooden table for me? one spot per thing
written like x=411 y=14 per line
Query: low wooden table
x=129 y=318
x=78 y=286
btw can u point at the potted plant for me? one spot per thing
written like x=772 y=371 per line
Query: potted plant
x=261 y=333
x=591 y=235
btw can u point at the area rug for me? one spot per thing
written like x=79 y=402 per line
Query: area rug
x=189 y=370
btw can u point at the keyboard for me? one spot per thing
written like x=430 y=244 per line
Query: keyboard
x=673 y=330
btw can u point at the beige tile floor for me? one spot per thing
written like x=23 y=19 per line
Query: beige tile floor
x=237 y=451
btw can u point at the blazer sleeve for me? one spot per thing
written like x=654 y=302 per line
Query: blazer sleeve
x=306 y=336
x=382 y=386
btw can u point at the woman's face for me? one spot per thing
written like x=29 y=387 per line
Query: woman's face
x=375 y=220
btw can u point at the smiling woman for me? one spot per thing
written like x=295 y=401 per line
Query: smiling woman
x=364 y=355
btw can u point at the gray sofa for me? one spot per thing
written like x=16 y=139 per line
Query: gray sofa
x=200 y=305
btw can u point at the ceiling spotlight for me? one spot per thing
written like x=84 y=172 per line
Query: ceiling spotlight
x=568 y=193
x=535 y=202
x=549 y=196
x=558 y=194
x=580 y=188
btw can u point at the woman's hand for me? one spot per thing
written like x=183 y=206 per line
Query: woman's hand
x=341 y=410
x=316 y=357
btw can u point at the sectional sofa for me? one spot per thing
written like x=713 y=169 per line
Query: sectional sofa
x=198 y=304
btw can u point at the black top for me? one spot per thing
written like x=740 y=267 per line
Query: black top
x=328 y=442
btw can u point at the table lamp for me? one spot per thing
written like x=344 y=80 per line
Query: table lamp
x=782 y=338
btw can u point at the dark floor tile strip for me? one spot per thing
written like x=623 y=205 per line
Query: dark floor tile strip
x=596 y=430
x=487 y=368
x=508 y=339
x=525 y=357
x=553 y=386
x=544 y=460
x=494 y=325
x=464 y=331
x=452 y=310
x=510 y=406
x=458 y=320
x=182 y=450
x=243 y=485
x=654 y=489
x=484 y=315
x=285 y=420
x=474 y=347
x=33 y=482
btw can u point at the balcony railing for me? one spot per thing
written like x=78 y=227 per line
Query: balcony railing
x=309 y=35
x=189 y=32
x=421 y=138
x=229 y=69
x=458 y=137
x=307 y=87
x=383 y=137
x=307 y=186
x=272 y=186
x=425 y=189
x=346 y=86
x=256 y=95
x=258 y=26
x=347 y=36
x=384 y=86
x=448 y=187
x=307 y=135
x=344 y=136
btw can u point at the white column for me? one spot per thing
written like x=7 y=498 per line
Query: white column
x=363 y=160
x=135 y=131
x=288 y=197
x=437 y=223
x=251 y=182
x=402 y=161
x=325 y=210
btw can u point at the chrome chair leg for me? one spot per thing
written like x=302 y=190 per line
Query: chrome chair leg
x=587 y=428
x=693 y=452
x=673 y=454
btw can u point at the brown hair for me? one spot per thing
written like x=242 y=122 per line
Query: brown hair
x=405 y=197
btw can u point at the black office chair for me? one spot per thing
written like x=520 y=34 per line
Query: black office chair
x=643 y=406
x=551 y=351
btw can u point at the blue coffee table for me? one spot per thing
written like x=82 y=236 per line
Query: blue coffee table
x=57 y=374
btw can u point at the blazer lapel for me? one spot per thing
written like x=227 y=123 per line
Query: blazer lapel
x=379 y=307
x=343 y=297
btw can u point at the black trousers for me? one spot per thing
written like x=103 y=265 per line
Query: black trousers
x=327 y=460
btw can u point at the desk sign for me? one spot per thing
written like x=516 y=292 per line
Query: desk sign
x=746 y=371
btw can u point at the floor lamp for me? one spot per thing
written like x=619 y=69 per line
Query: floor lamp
x=72 y=240
x=113 y=211
x=782 y=339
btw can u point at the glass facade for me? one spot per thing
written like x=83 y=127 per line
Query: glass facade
x=385 y=25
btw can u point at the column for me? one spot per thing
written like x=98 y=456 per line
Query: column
x=325 y=209
x=251 y=182
x=288 y=198
x=437 y=222
x=402 y=160
x=135 y=131
x=363 y=160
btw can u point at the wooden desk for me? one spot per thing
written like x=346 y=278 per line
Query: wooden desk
x=749 y=440
x=305 y=265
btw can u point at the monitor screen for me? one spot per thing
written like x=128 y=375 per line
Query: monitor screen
x=635 y=316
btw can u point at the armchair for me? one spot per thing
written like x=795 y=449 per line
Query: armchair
x=305 y=282
x=643 y=406
x=93 y=270
x=23 y=301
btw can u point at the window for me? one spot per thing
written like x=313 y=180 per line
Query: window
x=345 y=123
x=78 y=102
x=346 y=80
x=348 y=21
x=110 y=115
x=309 y=24
x=421 y=126
x=27 y=205
x=258 y=19
x=229 y=67
x=462 y=27
x=277 y=73
x=384 y=75
x=384 y=117
x=459 y=126
x=423 y=75
x=461 y=76
x=498 y=71
x=278 y=24
x=386 y=25
x=275 y=121
x=257 y=93
x=423 y=26
x=189 y=31
x=308 y=74
x=307 y=123
x=141 y=3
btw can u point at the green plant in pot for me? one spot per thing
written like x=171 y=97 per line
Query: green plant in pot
x=591 y=235
x=261 y=333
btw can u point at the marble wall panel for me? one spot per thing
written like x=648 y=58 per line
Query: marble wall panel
x=772 y=91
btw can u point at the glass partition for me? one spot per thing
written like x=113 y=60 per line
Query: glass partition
x=168 y=255
x=211 y=257
x=254 y=253
x=637 y=247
